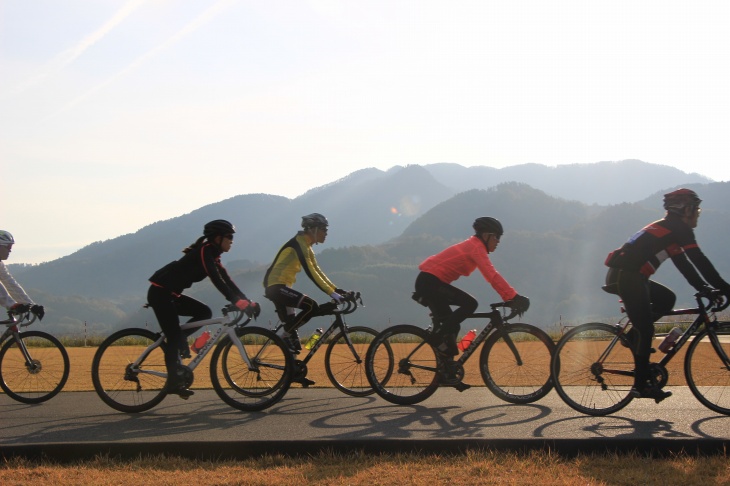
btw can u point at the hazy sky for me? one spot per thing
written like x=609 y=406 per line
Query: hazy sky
x=117 y=114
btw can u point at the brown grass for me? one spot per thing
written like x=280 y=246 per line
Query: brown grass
x=473 y=467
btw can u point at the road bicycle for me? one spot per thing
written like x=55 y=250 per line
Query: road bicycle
x=404 y=368
x=250 y=369
x=593 y=364
x=34 y=365
x=345 y=355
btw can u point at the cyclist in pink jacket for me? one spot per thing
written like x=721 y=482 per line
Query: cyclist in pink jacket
x=434 y=289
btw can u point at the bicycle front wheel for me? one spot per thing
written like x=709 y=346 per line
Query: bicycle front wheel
x=592 y=371
x=515 y=363
x=37 y=377
x=129 y=372
x=345 y=365
x=261 y=382
x=707 y=368
x=401 y=366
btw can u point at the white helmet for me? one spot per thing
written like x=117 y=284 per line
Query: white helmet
x=6 y=238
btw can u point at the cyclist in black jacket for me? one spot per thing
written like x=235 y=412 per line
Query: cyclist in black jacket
x=645 y=300
x=201 y=260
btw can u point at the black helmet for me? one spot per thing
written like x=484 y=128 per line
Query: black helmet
x=487 y=224
x=314 y=220
x=676 y=201
x=218 y=227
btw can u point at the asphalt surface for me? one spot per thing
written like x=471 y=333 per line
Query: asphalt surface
x=79 y=425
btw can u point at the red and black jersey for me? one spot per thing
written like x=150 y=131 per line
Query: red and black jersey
x=667 y=238
x=196 y=265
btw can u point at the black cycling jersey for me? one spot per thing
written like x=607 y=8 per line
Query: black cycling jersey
x=667 y=238
x=195 y=266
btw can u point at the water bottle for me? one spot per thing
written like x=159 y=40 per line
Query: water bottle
x=200 y=342
x=313 y=340
x=466 y=340
x=669 y=341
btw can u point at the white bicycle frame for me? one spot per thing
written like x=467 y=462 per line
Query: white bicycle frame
x=13 y=329
x=214 y=338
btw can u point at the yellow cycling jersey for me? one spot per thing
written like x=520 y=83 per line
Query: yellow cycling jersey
x=295 y=255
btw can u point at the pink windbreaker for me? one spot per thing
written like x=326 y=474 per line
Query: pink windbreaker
x=461 y=259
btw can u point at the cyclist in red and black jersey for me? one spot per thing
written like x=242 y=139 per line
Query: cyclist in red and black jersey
x=201 y=260
x=645 y=301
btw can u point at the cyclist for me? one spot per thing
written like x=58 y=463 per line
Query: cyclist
x=12 y=295
x=295 y=255
x=433 y=284
x=201 y=260
x=645 y=301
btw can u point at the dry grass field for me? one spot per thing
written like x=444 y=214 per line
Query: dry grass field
x=471 y=468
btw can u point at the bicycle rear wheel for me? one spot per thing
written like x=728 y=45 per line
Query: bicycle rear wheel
x=706 y=368
x=122 y=384
x=593 y=372
x=345 y=366
x=515 y=363
x=262 y=384
x=401 y=366
x=39 y=379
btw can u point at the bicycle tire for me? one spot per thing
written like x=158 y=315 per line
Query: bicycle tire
x=707 y=372
x=118 y=384
x=582 y=382
x=504 y=376
x=251 y=389
x=346 y=370
x=39 y=381
x=401 y=366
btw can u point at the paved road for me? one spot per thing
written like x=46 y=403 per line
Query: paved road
x=79 y=424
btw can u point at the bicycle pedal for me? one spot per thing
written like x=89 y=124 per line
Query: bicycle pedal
x=461 y=387
x=305 y=382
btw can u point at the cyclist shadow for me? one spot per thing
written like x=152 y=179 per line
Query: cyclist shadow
x=372 y=419
x=170 y=420
x=613 y=427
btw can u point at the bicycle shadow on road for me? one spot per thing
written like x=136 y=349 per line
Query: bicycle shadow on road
x=385 y=421
x=615 y=427
x=165 y=423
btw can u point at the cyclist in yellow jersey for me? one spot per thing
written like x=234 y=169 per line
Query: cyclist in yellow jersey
x=295 y=255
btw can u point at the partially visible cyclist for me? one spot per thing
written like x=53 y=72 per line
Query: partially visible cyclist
x=433 y=284
x=645 y=301
x=12 y=295
x=295 y=255
x=201 y=260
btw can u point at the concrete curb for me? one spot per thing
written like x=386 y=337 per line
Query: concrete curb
x=221 y=450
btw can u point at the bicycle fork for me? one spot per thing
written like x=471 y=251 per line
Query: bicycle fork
x=33 y=366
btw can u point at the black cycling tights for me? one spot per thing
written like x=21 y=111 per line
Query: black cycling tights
x=285 y=297
x=168 y=308
x=645 y=302
x=440 y=297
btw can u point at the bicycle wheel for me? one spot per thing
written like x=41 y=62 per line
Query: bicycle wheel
x=255 y=387
x=345 y=366
x=401 y=366
x=515 y=363
x=123 y=383
x=592 y=372
x=40 y=379
x=706 y=368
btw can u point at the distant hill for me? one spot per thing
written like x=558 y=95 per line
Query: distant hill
x=598 y=183
x=382 y=225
